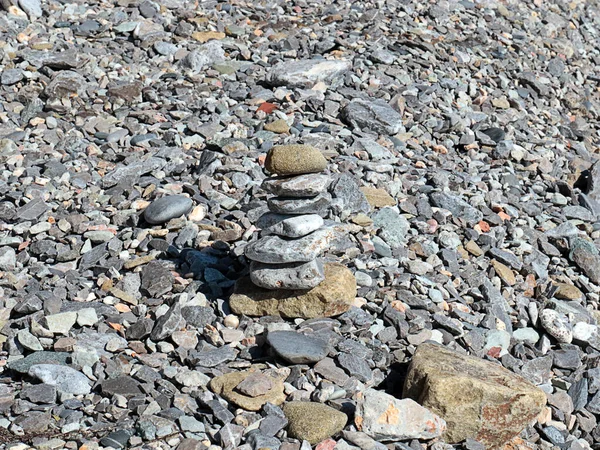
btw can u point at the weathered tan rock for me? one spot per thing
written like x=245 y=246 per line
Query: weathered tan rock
x=313 y=422
x=504 y=272
x=294 y=159
x=332 y=297
x=568 y=292
x=226 y=385
x=205 y=36
x=477 y=399
x=378 y=198
x=278 y=126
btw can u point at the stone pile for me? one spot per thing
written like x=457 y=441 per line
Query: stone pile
x=287 y=256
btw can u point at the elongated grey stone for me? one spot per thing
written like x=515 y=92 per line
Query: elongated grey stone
x=276 y=250
x=289 y=205
x=298 y=348
x=289 y=225
x=287 y=276
x=309 y=185
x=307 y=73
x=167 y=208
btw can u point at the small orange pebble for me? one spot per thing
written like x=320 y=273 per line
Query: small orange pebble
x=115 y=326
x=122 y=308
x=503 y=216
x=484 y=226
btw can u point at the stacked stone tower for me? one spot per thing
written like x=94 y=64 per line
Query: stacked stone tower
x=293 y=232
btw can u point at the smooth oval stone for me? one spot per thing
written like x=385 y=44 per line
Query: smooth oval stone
x=276 y=250
x=290 y=276
x=298 y=348
x=294 y=159
x=289 y=205
x=167 y=208
x=309 y=185
x=289 y=225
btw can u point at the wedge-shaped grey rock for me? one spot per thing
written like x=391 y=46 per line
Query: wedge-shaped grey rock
x=289 y=225
x=457 y=206
x=277 y=250
x=376 y=116
x=290 y=205
x=309 y=185
x=386 y=418
x=298 y=348
x=289 y=276
x=66 y=379
x=307 y=73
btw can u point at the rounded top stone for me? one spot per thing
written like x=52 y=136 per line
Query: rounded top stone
x=295 y=159
x=167 y=208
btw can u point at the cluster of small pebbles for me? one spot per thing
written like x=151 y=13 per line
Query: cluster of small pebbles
x=447 y=150
x=287 y=255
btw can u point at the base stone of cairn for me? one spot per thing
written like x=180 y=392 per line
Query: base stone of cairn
x=287 y=276
x=332 y=297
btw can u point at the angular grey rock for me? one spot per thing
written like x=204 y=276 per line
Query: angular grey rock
x=386 y=418
x=298 y=348
x=376 y=116
x=290 y=205
x=302 y=275
x=65 y=84
x=130 y=173
x=276 y=250
x=289 y=225
x=33 y=8
x=307 y=73
x=586 y=256
x=32 y=210
x=8 y=258
x=457 y=206
x=205 y=55
x=309 y=185
x=39 y=393
x=393 y=227
x=168 y=323
x=65 y=378
x=156 y=279
x=357 y=367
x=348 y=196
x=29 y=341
x=122 y=385
x=198 y=316
x=167 y=208
x=11 y=76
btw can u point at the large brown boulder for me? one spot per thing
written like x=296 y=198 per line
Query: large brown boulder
x=478 y=399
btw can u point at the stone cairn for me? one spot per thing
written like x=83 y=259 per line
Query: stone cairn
x=287 y=256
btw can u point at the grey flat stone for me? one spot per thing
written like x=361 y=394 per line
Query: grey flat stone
x=289 y=225
x=298 y=348
x=306 y=73
x=376 y=116
x=287 y=276
x=276 y=250
x=457 y=206
x=309 y=185
x=65 y=378
x=290 y=205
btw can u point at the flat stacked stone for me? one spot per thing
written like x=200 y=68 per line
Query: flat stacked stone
x=293 y=232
